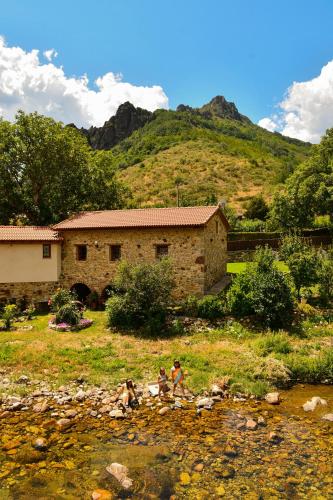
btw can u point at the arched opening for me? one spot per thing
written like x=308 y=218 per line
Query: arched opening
x=81 y=290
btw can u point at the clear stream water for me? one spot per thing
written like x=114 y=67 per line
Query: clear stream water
x=162 y=453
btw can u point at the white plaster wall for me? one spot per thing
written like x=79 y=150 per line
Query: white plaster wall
x=23 y=262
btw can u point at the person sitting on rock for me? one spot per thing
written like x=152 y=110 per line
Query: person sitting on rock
x=162 y=382
x=127 y=395
x=177 y=376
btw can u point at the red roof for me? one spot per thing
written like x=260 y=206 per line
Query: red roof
x=145 y=217
x=28 y=233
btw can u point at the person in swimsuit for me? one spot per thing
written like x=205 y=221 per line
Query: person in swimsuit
x=177 y=376
x=162 y=382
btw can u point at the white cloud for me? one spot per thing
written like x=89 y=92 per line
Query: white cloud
x=28 y=84
x=307 y=109
x=50 y=54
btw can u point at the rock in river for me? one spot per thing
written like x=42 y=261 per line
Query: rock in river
x=120 y=472
x=100 y=494
x=163 y=410
x=251 y=424
x=328 y=416
x=63 y=424
x=273 y=398
x=40 y=444
x=41 y=407
x=313 y=403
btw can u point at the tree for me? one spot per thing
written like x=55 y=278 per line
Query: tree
x=257 y=208
x=143 y=295
x=48 y=171
x=309 y=190
x=302 y=261
x=325 y=275
x=262 y=289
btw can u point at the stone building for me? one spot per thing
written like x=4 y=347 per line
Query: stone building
x=93 y=244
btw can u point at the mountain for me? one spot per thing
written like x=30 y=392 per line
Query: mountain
x=127 y=119
x=209 y=153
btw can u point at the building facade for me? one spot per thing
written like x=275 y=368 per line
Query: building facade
x=94 y=243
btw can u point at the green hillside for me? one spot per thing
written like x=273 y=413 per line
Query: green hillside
x=210 y=157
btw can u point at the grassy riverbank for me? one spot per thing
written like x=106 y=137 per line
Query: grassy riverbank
x=254 y=360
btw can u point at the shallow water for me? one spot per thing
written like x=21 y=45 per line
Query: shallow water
x=161 y=452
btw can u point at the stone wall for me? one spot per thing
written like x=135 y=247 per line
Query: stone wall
x=215 y=251
x=31 y=292
x=186 y=252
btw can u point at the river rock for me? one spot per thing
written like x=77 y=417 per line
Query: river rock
x=40 y=407
x=120 y=472
x=198 y=467
x=251 y=424
x=23 y=379
x=328 y=416
x=261 y=421
x=70 y=413
x=40 y=444
x=11 y=445
x=80 y=395
x=100 y=494
x=163 y=410
x=273 y=398
x=117 y=414
x=16 y=406
x=216 y=390
x=313 y=403
x=63 y=424
x=230 y=451
x=274 y=438
x=206 y=403
x=185 y=478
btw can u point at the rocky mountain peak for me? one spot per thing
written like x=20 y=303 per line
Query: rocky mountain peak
x=127 y=119
x=222 y=108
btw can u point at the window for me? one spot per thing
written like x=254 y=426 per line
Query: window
x=115 y=252
x=46 y=251
x=217 y=226
x=162 y=251
x=81 y=252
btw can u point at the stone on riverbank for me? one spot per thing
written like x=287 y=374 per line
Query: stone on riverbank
x=251 y=424
x=40 y=407
x=63 y=424
x=164 y=410
x=328 y=416
x=100 y=494
x=40 y=444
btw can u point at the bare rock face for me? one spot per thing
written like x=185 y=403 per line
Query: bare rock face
x=127 y=119
x=218 y=107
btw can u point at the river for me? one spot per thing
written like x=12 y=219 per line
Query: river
x=179 y=455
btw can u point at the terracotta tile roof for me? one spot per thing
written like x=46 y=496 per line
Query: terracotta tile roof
x=145 y=217
x=28 y=233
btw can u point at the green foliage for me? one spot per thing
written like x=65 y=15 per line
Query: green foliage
x=309 y=190
x=8 y=316
x=68 y=313
x=210 y=307
x=325 y=275
x=302 y=261
x=146 y=290
x=275 y=343
x=250 y=225
x=312 y=369
x=60 y=298
x=263 y=290
x=48 y=171
x=257 y=208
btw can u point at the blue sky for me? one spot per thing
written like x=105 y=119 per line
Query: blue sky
x=251 y=52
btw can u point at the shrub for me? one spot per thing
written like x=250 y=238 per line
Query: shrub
x=8 y=315
x=257 y=208
x=210 y=307
x=262 y=290
x=60 y=298
x=68 y=313
x=325 y=276
x=190 y=306
x=144 y=297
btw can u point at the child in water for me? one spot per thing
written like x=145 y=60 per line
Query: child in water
x=162 y=382
x=177 y=376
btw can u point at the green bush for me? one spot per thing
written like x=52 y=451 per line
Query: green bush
x=312 y=369
x=262 y=290
x=68 y=313
x=60 y=298
x=144 y=297
x=210 y=307
x=190 y=306
x=8 y=315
